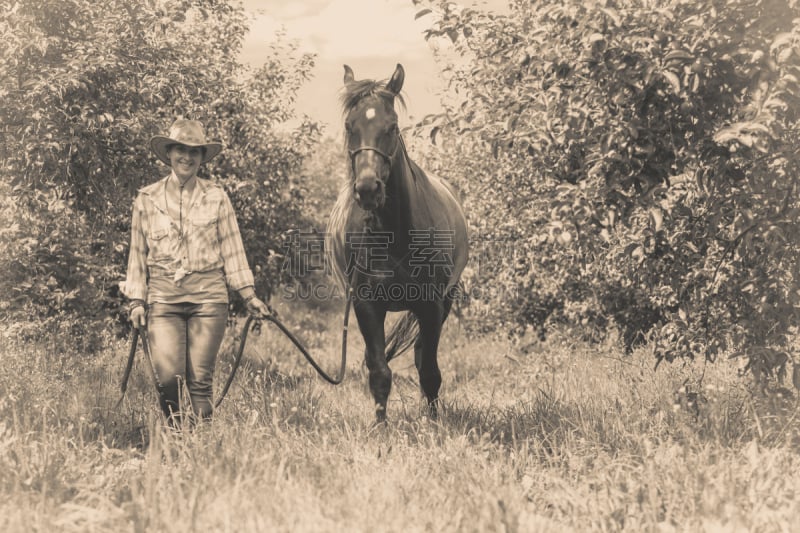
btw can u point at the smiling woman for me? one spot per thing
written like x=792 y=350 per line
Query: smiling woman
x=185 y=253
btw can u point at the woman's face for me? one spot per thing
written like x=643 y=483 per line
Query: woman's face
x=185 y=160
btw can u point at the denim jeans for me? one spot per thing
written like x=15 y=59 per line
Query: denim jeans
x=184 y=341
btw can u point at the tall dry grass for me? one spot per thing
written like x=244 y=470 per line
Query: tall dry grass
x=558 y=436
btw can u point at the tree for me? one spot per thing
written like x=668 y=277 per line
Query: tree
x=646 y=150
x=83 y=85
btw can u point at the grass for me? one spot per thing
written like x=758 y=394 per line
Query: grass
x=557 y=436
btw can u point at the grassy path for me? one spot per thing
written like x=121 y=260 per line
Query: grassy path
x=552 y=437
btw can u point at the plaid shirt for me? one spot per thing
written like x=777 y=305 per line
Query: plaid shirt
x=211 y=239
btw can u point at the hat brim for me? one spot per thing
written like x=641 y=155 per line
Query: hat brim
x=160 y=143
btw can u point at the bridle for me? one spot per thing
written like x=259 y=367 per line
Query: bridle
x=368 y=148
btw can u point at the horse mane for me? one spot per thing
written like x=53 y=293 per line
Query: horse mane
x=334 y=247
x=356 y=90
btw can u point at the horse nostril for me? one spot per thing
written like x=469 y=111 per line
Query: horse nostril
x=367 y=186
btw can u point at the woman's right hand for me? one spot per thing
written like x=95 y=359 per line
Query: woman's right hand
x=138 y=317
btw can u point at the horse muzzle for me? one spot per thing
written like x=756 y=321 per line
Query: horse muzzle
x=369 y=193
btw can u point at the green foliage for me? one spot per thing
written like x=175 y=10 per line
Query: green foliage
x=83 y=86
x=304 y=272
x=54 y=279
x=640 y=156
x=323 y=175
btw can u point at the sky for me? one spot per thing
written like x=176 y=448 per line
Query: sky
x=371 y=36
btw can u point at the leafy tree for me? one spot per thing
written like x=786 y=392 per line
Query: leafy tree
x=322 y=177
x=83 y=86
x=640 y=156
x=305 y=275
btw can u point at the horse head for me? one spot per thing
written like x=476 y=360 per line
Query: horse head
x=372 y=135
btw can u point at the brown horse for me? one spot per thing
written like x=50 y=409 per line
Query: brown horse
x=397 y=238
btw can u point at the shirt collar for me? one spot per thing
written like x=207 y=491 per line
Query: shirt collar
x=173 y=176
x=156 y=191
x=200 y=187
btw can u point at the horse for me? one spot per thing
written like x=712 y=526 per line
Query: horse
x=396 y=240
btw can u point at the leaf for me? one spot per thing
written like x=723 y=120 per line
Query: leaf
x=673 y=80
x=682 y=55
x=596 y=38
x=656 y=218
x=796 y=376
x=434 y=131
x=784 y=55
x=727 y=134
x=511 y=122
x=630 y=248
x=612 y=15
x=775 y=103
x=611 y=217
x=781 y=40
x=422 y=13
x=755 y=126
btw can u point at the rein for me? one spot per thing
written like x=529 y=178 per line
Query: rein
x=238 y=358
x=272 y=318
x=129 y=365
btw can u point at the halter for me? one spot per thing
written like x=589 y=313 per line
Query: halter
x=367 y=148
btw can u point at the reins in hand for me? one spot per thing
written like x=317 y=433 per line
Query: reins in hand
x=238 y=358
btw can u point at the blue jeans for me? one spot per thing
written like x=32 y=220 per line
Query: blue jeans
x=184 y=341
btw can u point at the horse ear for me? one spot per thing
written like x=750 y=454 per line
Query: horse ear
x=348 y=75
x=396 y=83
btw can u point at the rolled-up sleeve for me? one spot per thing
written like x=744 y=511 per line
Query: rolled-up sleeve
x=136 y=276
x=237 y=270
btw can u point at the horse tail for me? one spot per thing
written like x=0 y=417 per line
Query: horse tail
x=402 y=336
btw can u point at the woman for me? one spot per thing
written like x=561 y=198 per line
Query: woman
x=186 y=252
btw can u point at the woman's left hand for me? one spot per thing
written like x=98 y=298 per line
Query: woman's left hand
x=258 y=308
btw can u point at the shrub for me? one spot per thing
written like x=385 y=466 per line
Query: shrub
x=641 y=159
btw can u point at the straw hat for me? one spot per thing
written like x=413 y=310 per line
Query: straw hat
x=188 y=133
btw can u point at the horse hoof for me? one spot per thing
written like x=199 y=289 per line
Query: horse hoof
x=433 y=409
x=380 y=415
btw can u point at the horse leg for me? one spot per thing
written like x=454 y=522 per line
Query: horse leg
x=430 y=318
x=371 y=323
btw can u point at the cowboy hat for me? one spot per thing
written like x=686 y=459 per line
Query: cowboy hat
x=188 y=133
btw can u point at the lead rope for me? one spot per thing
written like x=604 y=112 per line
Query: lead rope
x=129 y=365
x=272 y=318
x=238 y=359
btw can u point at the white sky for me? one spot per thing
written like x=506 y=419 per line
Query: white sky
x=371 y=36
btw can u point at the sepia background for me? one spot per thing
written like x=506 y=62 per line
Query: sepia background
x=625 y=357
